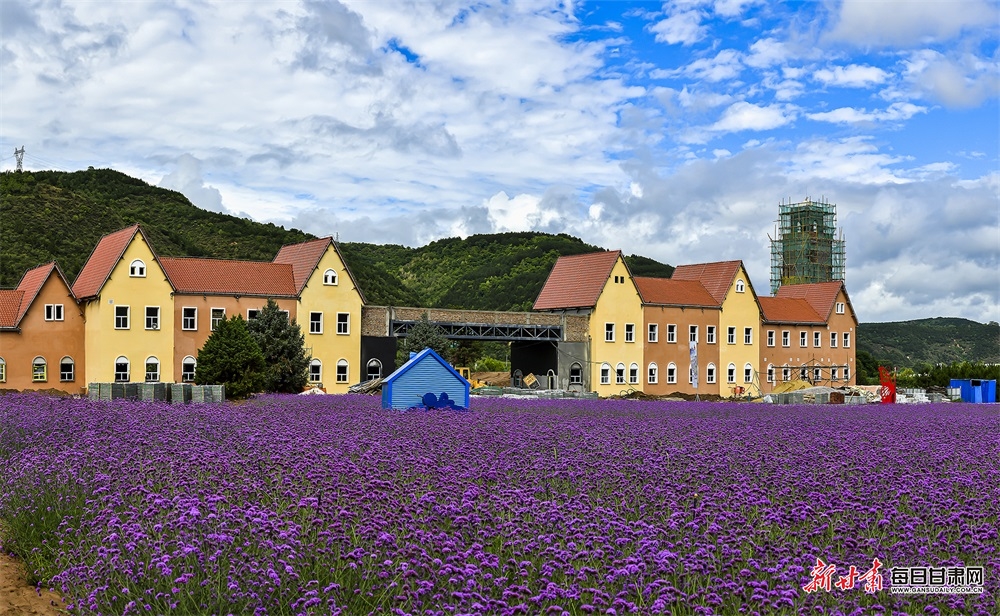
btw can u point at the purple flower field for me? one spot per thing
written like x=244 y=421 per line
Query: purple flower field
x=330 y=505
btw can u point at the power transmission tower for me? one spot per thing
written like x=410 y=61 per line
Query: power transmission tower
x=19 y=155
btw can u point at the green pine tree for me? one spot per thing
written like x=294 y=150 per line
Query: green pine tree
x=283 y=344
x=424 y=334
x=232 y=358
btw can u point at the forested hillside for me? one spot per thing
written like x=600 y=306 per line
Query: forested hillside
x=910 y=344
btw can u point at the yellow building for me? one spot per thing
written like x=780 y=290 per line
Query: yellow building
x=600 y=285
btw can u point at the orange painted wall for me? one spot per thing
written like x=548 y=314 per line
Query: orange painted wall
x=663 y=352
x=52 y=340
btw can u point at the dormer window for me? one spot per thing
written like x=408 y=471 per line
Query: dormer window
x=330 y=277
x=137 y=269
x=740 y=286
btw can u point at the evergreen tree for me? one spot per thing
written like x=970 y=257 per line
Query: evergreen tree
x=424 y=334
x=231 y=357
x=283 y=345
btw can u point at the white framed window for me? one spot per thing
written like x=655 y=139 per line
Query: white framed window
x=731 y=373
x=633 y=374
x=770 y=374
x=770 y=337
x=218 y=314
x=671 y=333
x=315 y=371
x=740 y=286
x=710 y=334
x=576 y=374
x=817 y=339
x=847 y=373
x=803 y=373
x=188 y=367
x=833 y=340
x=3 y=370
x=653 y=332
x=374 y=369
x=152 y=370
x=342 y=374
x=747 y=335
x=692 y=333
x=620 y=374
x=835 y=373
x=847 y=340
x=786 y=374
x=137 y=269
x=252 y=313
x=189 y=318
x=54 y=312
x=609 y=332
x=122 y=370
x=840 y=308
x=671 y=373
x=605 y=374
x=803 y=339
x=152 y=317
x=67 y=369
x=630 y=332
x=122 y=317
x=330 y=277
x=786 y=338
x=710 y=374
x=343 y=323
x=316 y=323
x=39 y=370
x=651 y=374
x=747 y=373
x=817 y=375
x=731 y=335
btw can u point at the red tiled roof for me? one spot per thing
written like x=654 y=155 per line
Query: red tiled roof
x=10 y=306
x=101 y=261
x=31 y=283
x=303 y=258
x=715 y=277
x=671 y=292
x=820 y=295
x=788 y=310
x=223 y=277
x=576 y=281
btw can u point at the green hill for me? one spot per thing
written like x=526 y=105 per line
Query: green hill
x=908 y=344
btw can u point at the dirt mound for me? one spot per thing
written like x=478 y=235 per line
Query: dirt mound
x=496 y=379
x=17 y=597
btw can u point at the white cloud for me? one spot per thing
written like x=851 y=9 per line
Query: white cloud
x=852 y=76
x=849 y=115
x=867 y=23
x=767 y=52
x=747 y=116
x=187 y=179
x=680 y=28
x=963 y=81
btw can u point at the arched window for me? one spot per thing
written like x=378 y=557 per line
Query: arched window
x=671 y=372
x=551 y=378
x=740 y=287
x=516 y=378
x=137 y=269
x=315 y=371
x=39 y=370
x=3 y=371
x=651 y=373
x=342 y=375
x=620 y=374
x=770 y=373
x=731 y=373
x=121 y=370
x=605 y=374
x=804 y=373
x=374 y=369
x=152 y=370
x=188 y=367
x=330 y=277
x=747 y=373
x=786 y=373
x=710 y=374
x=576 y=374
x=67 y=370
x=817 y=375
x=633 y=374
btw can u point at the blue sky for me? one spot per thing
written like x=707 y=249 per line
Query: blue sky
x=667 y=129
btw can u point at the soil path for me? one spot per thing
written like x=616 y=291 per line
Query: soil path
x=17 y=598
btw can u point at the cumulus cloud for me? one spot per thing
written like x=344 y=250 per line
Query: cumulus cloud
x=682 y=28
x=747 y=116
x=187 y=179
x=849 y=115
x=908 y=23
x=852 y=76
x=964 y=81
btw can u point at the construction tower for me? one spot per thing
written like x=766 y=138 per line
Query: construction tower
x=807 y=246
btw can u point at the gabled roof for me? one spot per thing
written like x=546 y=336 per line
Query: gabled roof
x=101 y=261
x=14 y=303
x=226 y=277
x=427 y=354
x=821 y=295
x=788 y=310
x=576 y=281
x=669 y=292
x=716 y=277
x=304 y=259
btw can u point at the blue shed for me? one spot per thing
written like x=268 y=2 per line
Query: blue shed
x=976 y=390
x=426 y=375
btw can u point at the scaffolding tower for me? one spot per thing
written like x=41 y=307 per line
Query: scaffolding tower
x=807 y=246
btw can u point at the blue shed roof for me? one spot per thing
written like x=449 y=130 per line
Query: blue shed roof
x=418 y=358
x=431 y=374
